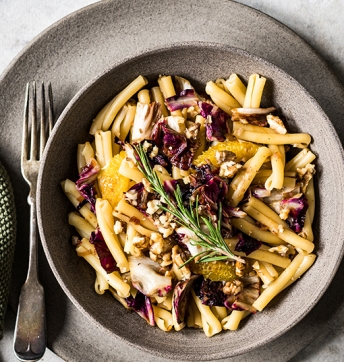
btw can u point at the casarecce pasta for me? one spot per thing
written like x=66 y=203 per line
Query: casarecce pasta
x=190 y=208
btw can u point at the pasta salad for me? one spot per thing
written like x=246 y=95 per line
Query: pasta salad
x=193 y=208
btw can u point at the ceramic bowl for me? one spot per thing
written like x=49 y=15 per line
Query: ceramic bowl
x=198 y=62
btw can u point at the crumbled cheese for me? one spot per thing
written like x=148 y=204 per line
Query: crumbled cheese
x=140 y=242
x=280 y=229
x=284 y=214
x=153 y=206
x=118 y=227
x=186 y=179
x=166 y=231
x=146 y=146
x=154 y=152
x=280 y=249
x=276 y=124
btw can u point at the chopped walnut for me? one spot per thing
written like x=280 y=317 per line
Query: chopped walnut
x=225 y=156
x=165 y=231
x=146 y=185
x=146 y=145
x=229 y=169
x=141 y=242
x=239 y=268
x=192 y=131
x=134 y=220
x=157 y=245
x=233 y=288
x=178 y=260
x=305 y=174
x=118 y=227
x=276 y=124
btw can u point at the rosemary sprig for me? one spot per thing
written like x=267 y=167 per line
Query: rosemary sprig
x=213 y=243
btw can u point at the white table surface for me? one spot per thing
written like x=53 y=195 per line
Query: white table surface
x=319 y=22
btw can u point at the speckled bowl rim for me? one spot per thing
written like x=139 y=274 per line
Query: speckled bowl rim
x=300 y=315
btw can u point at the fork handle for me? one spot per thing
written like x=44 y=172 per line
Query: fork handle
x=30 y=329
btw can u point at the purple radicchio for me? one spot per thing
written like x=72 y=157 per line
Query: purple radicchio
x=217 y=121
x=211 y=193
x=146 y=116
x=85 y=183
x=210 y=292
x=177 y=148
x=297 y=212
x=107 y=261
x=181 y=294
x=245 y=299
x=145 y=277
x=142 y=306
x=137 y=195
x=247 y=244
x=185 y=99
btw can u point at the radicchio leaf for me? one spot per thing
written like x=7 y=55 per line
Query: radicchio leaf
x=297 y=212
x=210 y=292
x=107 y=261
x=246 y=244
x=181 y=294
x=142 y=306
x=217 y=121
x=212 y=193
x=86 y=181
x=177 y=148
x=185 y=99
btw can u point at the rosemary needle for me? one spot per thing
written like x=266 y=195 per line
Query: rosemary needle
x=215 y=247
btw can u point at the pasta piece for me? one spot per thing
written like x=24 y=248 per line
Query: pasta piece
x=257 y=160
x=211 y=324
x=130 y=171
x=88 y=152
x=270 y=268
x=306 y=263
x=201 y=136
x=139 y=228
x=84 y=250
x=80 y=159
x=263 y=273
x=310 y=194
x=232 y=321
x=143 y=96
x=254 y=91
x=110 y=237
x=219 y=312
x=129 y=248
x=84 y=227
x=276 y=286
x=255 y=232
x=166 y=86
x=239 y=127
x=194 y=319
x=237 y=88
x=276 y=180
x=285 y=234
x=75 y=200
x=103 y=147
x=162 y=318
x=128 y=120
x=100 y=284
x=129 y=210
x=121 y=99
x=215 y=92
x=299 y=140
x=167 y=302
x=303 y=158
x=98 y=121
x=158 y=98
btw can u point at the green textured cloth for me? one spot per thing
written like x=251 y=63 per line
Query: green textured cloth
x=7 y=241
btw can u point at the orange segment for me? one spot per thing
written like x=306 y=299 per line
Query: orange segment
x=243 y=151
x=112 y=185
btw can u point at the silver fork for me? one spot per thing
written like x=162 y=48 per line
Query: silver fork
x=30 y=330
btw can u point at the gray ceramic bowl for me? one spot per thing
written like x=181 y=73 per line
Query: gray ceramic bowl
x=199 y=62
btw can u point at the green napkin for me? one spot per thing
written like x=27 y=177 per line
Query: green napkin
x=7 y=241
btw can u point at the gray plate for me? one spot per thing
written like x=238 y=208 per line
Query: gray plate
x=79 y=47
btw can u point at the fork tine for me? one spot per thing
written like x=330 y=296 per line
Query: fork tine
x=43 y=137
x=50 y=108
x=25 y=124
x=34 y=148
